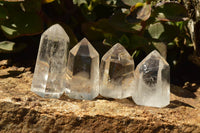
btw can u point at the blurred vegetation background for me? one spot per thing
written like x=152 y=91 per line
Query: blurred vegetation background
x=139 y=25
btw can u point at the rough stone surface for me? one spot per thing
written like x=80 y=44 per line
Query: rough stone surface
x=23 y=111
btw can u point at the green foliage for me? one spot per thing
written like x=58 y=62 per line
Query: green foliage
x=21 y=18
x=79 y=2
x=171 y=12
x=136 y=24
x=6 y=46
x=131 y=2
x=11 y=47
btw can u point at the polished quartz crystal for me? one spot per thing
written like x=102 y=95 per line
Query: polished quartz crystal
x=117 y=73
x=82 y=74
x=48 y=79
x=152 y=81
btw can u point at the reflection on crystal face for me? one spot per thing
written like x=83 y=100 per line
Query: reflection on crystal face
x=150 y=71
x=51 y=63
x=152 y=81
x=82 y=74
x=116 y=73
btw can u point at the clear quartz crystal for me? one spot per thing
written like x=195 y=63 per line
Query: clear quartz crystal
x=116 y=73
x=152 y=81
x=48 y=78
x=82 y=74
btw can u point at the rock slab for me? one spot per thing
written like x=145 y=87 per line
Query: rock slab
x=23 y=111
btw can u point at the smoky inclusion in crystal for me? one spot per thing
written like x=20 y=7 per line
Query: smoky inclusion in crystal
x=152 y=77
x=116 y=73
x=82 y=74
x=48 y=79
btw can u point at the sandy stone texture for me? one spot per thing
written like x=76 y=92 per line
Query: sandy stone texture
x=23 y=111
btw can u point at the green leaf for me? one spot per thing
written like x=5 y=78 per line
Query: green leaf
x=171 y=11
x=22 y=19
x=111 y=2
x=3 y=12
x=149 y=1
x=79 y=2
x=124 y=40
x=103 y=11
x=99 y=30
x=137 y=42
x=109 y=30
x=164 y=32
x=6 y=46
x=139 y=12
x=11 y=47
x=171 y=32
x=114 y=30
x=22 y=24
x=118 y=22
x=92 y=31
x=131 y=2
x=32 y=5
x=161 y=47
x=110 y=41
x=155 y=30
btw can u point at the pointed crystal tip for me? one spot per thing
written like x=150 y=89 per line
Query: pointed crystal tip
x=117 y=51
x=84 y=48
x=84 y=41
x=156 y=54
x=118 y=47
x=56 y=30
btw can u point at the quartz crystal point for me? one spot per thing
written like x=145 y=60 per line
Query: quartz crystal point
x=51 y=63
x=117 y=73
x=152 y=81
x=82 y=74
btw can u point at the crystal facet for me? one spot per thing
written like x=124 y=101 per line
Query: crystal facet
x=116 y=73
x=82 y=74
x=152 y=81
x=48 y=79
